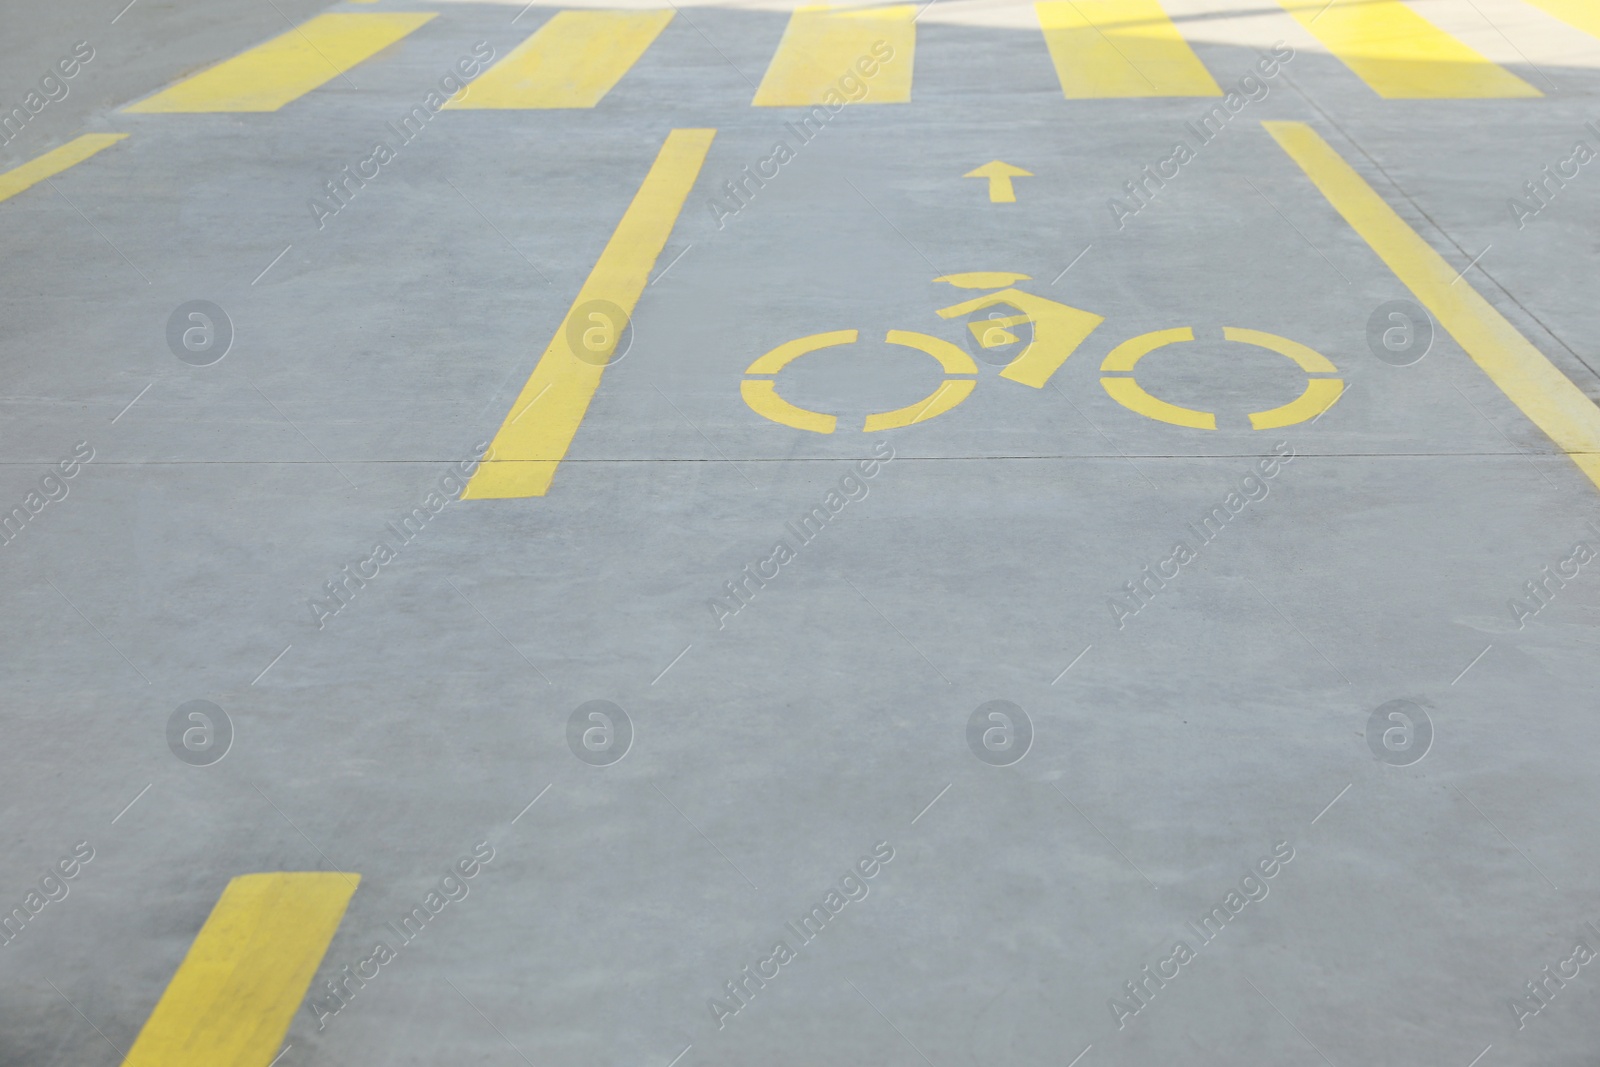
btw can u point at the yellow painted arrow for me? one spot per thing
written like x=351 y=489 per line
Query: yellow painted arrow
x=1000 y=175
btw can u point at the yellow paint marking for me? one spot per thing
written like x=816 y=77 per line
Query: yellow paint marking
x=763 y=398
x=1120 y=48
x=789 y=351
x=527 y=451
x=1128 y=354
x=951 y=392
x=1001 y=191
x=951 y=358
x=1584 y=14
x=1308 y=359
x=1319 y=396
x=232 y=998
x=822 y=46
x=54 y=162
x=287 y=67
x=1131 y=395
x=983 y=279
x=573 y=60
x=1526 y=376
x=1402 y=55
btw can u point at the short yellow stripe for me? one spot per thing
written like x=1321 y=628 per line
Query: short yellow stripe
x=236 y=991
x=286 y=67
x=54 y=162
x=824 y=46
x=1119 y=48
x=1402 y=55
x=1584 y=14
x=573 y=60
x=1523 y=373
x=539 y=428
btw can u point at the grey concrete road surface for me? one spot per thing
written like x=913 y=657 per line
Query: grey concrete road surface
x=958 y=533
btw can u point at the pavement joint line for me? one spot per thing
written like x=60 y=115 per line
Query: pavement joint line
x=496 y=229
x=1286 y=1019
x=497 y=630
x=892 y=226
x=707 y=840
x=1106 y=839
x=1507 y=840
x=1297 y=630
x=897 y=630
x=1074 y=262
x=673 y=664
x=1437 y=226
x=86 y=1019
x=932 y=802
x=303 y=437
x=523 y=12
x=124 y=11
x=1469 y=666
x=689 y=1046
x=886 y=1019
x=1504 y=438
x=96 y=229
x=1081 y=1055
x=274 y=662
x=669 y=266
x=1107 y=439
x=331 y=865
x=131 y=803
x=1073 y=664
x=1331 y=803
x=280 y=1055
x=531 y=803
x=96 y=629
x=1297 y=229
x=492 y=1026
x=708 y=441
x=132 y=402
x=1480 y=1056
x=274 y=262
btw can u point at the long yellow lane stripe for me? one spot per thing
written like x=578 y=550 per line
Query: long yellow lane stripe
x=54 y=162
x=1523 y=373
x=287 y=67
x=232 y=999
x=573 y=60
x=544 y=418
x=837 y=56
x=1120 y=48
x=1402 y=55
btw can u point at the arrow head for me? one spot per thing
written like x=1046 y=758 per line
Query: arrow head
x=998 y=169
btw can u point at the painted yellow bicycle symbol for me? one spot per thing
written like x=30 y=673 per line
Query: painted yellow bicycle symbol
x=1057 y=331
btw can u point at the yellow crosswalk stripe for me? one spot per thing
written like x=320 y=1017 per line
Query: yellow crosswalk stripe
x=54 y=162
x=545 y=417
x=287 y=67
x=835 y=56
x=1402 y=55
x=573 y=60
x=1120 y=48
x=232 y=998
x=1526 y=376
x=1584 y=14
